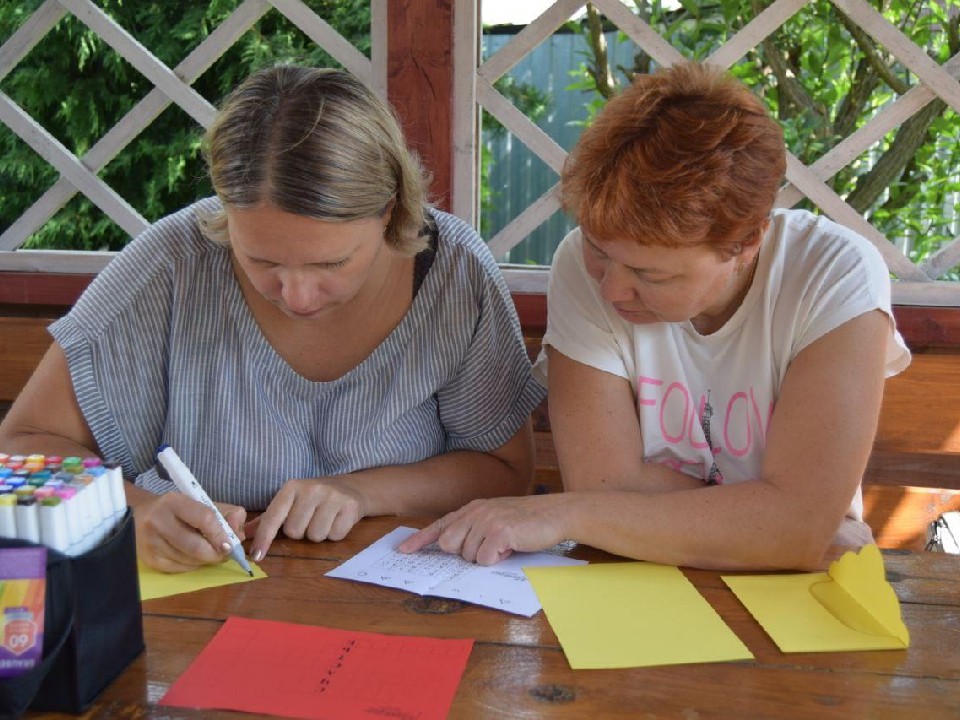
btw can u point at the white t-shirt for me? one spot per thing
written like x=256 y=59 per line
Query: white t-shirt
x=813 y=275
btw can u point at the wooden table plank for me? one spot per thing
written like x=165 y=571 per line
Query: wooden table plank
x=518 y=669
x=528 y=682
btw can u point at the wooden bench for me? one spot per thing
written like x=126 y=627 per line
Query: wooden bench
x=23 y=341
x=913 y=475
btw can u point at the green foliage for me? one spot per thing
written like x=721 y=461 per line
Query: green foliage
x=817 y=77
x=78 y=88
x=531 y=102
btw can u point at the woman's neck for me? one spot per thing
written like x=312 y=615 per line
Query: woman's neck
x=707 y=324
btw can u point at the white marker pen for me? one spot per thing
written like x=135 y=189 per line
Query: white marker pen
x=188 y=485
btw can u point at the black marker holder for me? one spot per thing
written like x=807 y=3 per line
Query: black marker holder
x=93 y=626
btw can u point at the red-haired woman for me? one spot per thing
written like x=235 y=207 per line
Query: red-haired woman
x=715 y=365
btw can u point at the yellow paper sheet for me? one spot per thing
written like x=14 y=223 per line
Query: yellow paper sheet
x=614 y=615
x=849 y=607
x=156 y=584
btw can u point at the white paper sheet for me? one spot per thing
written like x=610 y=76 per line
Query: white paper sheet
x=433 y=572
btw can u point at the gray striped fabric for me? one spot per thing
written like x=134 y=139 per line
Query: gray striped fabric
x=163 y=350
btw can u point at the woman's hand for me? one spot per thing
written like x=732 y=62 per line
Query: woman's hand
x=488 y=531
x=315 y=508
x=176 y=533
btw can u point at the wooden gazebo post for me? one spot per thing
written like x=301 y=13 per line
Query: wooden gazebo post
x=420 y=74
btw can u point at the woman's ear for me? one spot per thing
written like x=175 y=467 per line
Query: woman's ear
x=749 y=249
x=388 y=208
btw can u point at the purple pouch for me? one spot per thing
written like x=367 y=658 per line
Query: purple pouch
x=23 y=582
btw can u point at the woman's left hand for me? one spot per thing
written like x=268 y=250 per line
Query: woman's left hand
x=314 y=508
x=488 y=531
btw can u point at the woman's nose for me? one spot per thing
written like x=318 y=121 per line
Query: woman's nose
x=297 y=294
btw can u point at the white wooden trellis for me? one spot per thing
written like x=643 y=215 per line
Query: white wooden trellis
x=917 y=283
x=473 y=89
x=170 y=86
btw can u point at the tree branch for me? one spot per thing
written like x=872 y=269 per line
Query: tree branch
x=791 y=90
x=599 y=69
x=864 y=82
x=869 y=50
x=892 y=163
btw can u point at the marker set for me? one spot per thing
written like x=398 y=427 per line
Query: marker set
x=68 y=504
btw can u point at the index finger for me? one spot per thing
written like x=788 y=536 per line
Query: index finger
x=430 y=534
x=269 y=524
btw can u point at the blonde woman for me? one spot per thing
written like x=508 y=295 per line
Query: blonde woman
x=314 y=341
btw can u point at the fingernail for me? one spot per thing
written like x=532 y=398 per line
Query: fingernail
x=225 y=547
x=257 y=554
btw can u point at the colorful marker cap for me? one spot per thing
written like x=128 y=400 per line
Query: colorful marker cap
x=72 y=465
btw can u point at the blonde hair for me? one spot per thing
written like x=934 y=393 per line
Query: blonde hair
x=318 y=143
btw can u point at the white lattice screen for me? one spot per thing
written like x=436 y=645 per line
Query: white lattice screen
x=473 y=89
x=917 y=282
x=172 y=85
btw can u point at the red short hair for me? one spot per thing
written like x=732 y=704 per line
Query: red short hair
x=684 y=156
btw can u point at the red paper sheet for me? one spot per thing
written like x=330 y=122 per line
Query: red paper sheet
x=303 y=671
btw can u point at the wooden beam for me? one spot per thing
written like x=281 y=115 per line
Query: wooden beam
x=924 y=328
x=34 y=288
x=532 y=311
x=420 y=84
x=928 y=328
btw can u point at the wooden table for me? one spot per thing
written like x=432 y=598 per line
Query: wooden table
x=518 y=669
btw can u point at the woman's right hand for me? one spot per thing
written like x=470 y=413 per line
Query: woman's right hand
x=176 y=533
